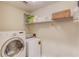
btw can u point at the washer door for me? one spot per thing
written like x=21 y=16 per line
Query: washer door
x=12 y=47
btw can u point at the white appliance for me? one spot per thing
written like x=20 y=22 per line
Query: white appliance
x=33 y=47
x=12 y=44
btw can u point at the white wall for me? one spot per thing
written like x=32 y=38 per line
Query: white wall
x=58 y=39
x=61 y=38
x=46 y=12
x=11 y=18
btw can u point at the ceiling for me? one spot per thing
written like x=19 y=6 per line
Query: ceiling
x=29 y=6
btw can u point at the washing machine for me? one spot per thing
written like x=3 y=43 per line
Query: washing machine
x=12 y=44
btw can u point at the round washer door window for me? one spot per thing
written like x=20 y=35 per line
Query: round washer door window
x=12 y=47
